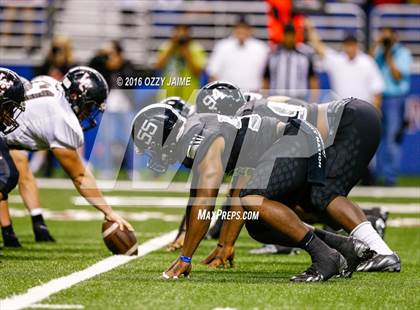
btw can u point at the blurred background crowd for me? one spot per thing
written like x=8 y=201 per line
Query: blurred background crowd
x=311 y=49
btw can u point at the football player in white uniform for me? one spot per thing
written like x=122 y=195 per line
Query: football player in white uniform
x=11 y=105
x=56 y=115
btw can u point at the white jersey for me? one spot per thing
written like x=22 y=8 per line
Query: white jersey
x=48 y=121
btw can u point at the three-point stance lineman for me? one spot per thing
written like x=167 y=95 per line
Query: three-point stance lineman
x=215 y=144
x=56 y=115
x=210 y=144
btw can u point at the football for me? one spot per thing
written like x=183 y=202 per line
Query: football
x=118 y=241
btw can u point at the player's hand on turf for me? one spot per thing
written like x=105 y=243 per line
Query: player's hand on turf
x=122 y=223
x=177 y=270
x=220 y=256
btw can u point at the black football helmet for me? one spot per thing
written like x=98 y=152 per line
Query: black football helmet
x=156 y=130
x=178 y=104
x=220 y=97
x=12 y=96
x=86 y=90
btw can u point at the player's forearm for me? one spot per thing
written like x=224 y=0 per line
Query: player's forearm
x=87 y=187
x=231 y=228
x=197 y=228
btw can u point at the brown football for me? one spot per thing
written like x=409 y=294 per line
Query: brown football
x=118 y=241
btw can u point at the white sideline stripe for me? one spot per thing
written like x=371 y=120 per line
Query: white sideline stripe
x=362 y=191
x=386 y=192
x=181 y=202
x=408 y=208
x=164 y=202
x=50 y=306
x=404 y=222
x=38 y=293
x=86 y=215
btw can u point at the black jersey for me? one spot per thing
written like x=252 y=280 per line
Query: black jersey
x=246 y=138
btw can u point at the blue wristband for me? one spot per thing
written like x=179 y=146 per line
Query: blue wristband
x=185 y=259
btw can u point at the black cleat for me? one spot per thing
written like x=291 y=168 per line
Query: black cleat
x=380 y=262
x=10 y=240
x=359 y=253
x=41 y=233
x=322 y=271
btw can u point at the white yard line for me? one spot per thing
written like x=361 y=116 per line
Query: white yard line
x=87 y=215
x=369 y=191
x=50 y=306
x=38 y=293
x=403 y=222
x=134 y=201
x=181 y=202
x=386 y=192
x=408 y=208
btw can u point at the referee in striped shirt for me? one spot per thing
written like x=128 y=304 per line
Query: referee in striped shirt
x=290 y=70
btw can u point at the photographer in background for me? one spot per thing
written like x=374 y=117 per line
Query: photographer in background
x=394 y=62
x=110 y=147
x=181 y=56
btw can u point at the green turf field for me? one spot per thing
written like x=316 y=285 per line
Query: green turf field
x=257 y=282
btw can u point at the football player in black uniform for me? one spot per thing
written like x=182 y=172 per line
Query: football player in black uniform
x=212 y=144
x=327 y=117
x=11 y=105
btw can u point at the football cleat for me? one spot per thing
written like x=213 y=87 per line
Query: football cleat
x=320 y=272
x=359 y=253
x=41 y=233
x=274 y=249
x=10 y=240
x=381 y=262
